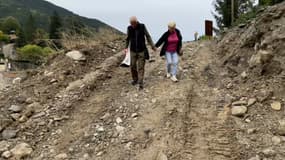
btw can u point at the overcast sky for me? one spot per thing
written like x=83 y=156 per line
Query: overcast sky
x=188 y=14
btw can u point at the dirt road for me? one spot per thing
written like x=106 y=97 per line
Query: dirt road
x=178 y=121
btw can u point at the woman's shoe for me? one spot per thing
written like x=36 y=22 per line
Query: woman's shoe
x=174 y=79
x=168 y=75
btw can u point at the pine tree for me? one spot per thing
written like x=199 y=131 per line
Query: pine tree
x=223 y=11
x=30 y=28
x=10 y=24
x=55 y=26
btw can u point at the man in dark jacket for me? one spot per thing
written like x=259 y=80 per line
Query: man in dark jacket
x=137 y=35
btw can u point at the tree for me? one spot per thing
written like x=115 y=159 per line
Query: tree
x=269 y=2
x=223 y=11
x=10 y=24
x=30 y=28
x=55 y=26
x=21 y=41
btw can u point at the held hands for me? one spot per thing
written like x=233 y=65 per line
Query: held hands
x=126 y=50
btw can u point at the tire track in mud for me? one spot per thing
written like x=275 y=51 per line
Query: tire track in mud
x=209 y=134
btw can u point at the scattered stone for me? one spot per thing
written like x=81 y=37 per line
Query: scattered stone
x=135 y=115
x=76 y=55
x=100 y=153
x=15 y=116
x=247 y=120
x=15 y=108
x=243 y=75
x=276 y=106
x=22 y=150
x=161 y=156
x=281 y=128
x=61 y=156
x=268 y=152
x=239 y=110
x=276 y=140
x=251 y=102
x=239 y=103
x=53 y=81
x=9 y=134
x=153 y=100
x=251 y=131
x=257 y=157
x=119 y=120
x=4 y=146
x=120 y=129
x=17 y=80
x=6 y=154
x=106 y=116
x=100 y=129
x=29 y=100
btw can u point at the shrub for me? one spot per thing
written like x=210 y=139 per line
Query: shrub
x=34 y=53
x=4 y=37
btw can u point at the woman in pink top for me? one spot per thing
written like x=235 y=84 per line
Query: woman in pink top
x=172 y=44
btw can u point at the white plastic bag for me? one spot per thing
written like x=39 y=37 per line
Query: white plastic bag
x=127 y=61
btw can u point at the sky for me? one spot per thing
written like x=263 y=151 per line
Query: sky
x=190 y=15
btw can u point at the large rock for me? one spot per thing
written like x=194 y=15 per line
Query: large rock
x=76 y=55
x=22 y=150
x=276 y=106
x=239 y=110
x=16 y=108
x=9 y=134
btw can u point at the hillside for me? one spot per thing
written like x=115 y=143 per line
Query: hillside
x=41 y=10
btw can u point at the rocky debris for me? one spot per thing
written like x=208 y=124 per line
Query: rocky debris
x=21 y=150
x=276 y=106
x=257 y=157
x=4 y=146
x=251 y=102
x=281 y=128
x=239 y=108
x=276 y=140
x=16 y=108
x=6 y=154
x=17 y=80
x=251 y=131
x=161 y=156
x=61 y=156
x=119 y=120
x=76 y=55
x=239 y=103
x=9 y=134
x=268 y=152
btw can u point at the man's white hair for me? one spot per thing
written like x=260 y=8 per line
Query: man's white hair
x=133 y=19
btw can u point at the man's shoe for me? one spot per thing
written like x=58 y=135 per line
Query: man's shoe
x=174 y=79
x=168 y=75
x=141 y=87
x=134 y=83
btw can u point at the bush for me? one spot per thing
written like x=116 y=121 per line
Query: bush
x=244 y=18
x=4 y=37
x=34 y=53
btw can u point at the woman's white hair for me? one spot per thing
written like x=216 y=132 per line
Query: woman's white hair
x=172 y=24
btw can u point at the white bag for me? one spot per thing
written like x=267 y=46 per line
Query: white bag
x=127 y=61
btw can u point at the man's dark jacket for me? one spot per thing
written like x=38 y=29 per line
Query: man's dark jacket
x=164 y=40
x=136 y=36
